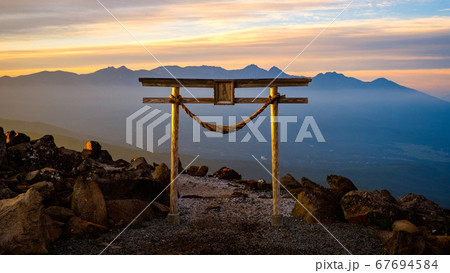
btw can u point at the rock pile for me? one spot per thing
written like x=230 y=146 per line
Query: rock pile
x=409 y=225
x=48 y=192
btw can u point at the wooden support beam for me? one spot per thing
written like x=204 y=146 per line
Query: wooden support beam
x=236 y=100
x=174 y=217
x=276 y=219
x=238 y=83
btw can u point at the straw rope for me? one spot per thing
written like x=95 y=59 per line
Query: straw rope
x=224 y=129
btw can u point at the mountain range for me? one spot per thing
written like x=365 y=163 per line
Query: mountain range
x=379 y=134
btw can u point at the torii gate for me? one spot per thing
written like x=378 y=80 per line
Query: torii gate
x=224 y=95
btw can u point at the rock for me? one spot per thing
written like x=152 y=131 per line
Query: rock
x=424 y=212
x=78 y=226
x=341 y=184
x=5 y=192
x=60 y=214
x=180 y=166
x=120 y=163
x=437 y=245
x=105 y=157
x=2 y=147
x=13 y=138
x=123 y=187
x=235 y=194
x=321 y=202
x=23 y=225
x=69 y=159
x=162 y=174
x=44 y=174
x=370 y=209
x=289 y=182
x=88 y=202
x=93 y=150
x=34 y=155
x=213 y=207
x=388 y=196
x=406 y=239
x=405 y=243
x=227 y=174
x=53 y=229
x=139 y=164
x=160 y=210
x=46 y=189
x=122 y=212
x=404 y=225
x=197 y=171
x=306 y=183
x=383 y=235
x=239 y=194
x=263 y=185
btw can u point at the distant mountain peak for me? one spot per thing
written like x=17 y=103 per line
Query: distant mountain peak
x=275 y=69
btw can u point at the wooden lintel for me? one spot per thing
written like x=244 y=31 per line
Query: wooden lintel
x=236 y=100
x=238 y=83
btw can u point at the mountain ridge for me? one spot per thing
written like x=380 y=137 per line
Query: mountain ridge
x=124 y=76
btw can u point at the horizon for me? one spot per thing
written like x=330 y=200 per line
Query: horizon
x=399 y=40
x=443 y=96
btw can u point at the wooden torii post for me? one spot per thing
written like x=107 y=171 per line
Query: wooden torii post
x=224 y=95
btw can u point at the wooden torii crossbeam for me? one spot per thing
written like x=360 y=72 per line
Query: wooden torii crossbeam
x=224 y=95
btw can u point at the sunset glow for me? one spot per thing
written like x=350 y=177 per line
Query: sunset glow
x=399 y=40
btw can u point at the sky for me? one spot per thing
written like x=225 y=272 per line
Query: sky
x=407 y=41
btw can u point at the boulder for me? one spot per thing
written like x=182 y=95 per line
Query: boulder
x=129 y=187
x=289 y=182
x=139 y=164
x=162 y=174
x=2 y=147
x=13 y=138
x=406 y=239
x=340 y=184
x=321 y=202
x=46 y=189
x=69 y=159
x=88 y=202
x=424 y=212
x=60 y=214
x=404 y=225
x=34 y=155
x=44 y=174
x=197 y=170
x=227 y=174
x=437 y=245
x=77 y=226
x=122 y=212
x=306 y=183
x=5 y=192
x=405 y=243
x=180 y=166
x=105 y=157
x=263 y=185
x=93 y=150
x=388 y=196
x=160 y=210
x=53 y=228
x=23 y=225
x=370 y=209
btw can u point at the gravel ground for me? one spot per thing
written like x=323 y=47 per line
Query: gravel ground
x=220 y=225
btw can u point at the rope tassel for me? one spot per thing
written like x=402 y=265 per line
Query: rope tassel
x=224 y=129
